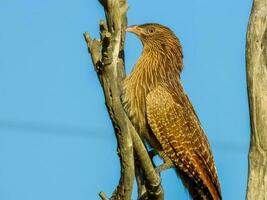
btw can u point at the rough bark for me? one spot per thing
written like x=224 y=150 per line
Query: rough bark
x=256 y=59
x=107 y=56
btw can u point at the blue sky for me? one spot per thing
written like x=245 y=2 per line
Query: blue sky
x=56 y=139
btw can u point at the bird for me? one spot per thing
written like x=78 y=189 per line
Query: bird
x=160 y=110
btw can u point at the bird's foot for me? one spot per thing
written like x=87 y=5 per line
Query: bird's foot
x=166 y=165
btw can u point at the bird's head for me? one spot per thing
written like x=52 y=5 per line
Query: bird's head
x=154 y=35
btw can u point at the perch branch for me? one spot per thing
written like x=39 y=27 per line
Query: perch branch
x=256 y=60
x=108 y=60
x=107 y=56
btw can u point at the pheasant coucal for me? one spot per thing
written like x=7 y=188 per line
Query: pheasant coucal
x=161 y=112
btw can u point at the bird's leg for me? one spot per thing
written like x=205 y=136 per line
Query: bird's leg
x=167 y=162
x=166 y=165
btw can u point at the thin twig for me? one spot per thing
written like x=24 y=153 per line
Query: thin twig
x=103 y=196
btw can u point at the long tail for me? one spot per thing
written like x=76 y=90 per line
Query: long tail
x=200 y=190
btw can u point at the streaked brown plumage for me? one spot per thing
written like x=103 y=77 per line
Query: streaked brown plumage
x=161 y=112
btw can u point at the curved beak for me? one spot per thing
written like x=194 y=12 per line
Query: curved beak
x=134 y=29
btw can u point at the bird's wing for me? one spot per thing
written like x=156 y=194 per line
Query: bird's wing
x=177 y=128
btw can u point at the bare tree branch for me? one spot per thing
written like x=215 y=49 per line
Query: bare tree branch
x=256 y=58
x=152 y=179
x=108 y=59
x=107 y=56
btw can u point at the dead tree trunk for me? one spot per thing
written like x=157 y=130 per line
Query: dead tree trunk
x=108 y=59
x=256 y=59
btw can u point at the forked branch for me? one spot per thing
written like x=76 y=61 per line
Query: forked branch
x=107 y=56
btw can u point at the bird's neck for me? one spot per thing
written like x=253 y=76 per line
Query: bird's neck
x=157 y=66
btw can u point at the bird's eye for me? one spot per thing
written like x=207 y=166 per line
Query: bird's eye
x=150 y=30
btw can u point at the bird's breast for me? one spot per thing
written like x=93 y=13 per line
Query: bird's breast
x=134 y=102
x=152 y=68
